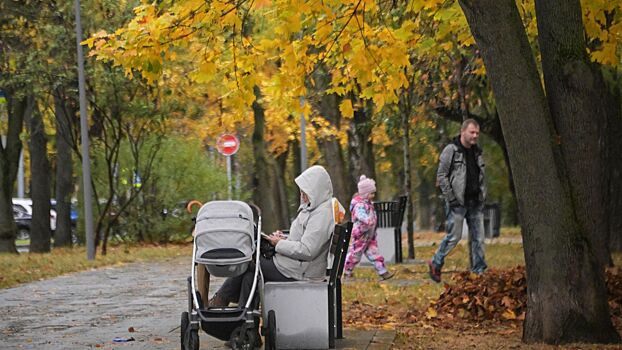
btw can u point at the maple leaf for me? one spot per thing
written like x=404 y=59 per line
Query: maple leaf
x=431 y=313
x=345 y=107
x=509 y=314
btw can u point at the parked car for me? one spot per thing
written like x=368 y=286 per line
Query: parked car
x=25 y=205
x=73 y=214
x=23 y=220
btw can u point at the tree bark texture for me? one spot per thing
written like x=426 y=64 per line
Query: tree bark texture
x=9 y=159
x=360 y=146
x=335 y=163
x=614 y=164
x=263 y=178
x=280 y=168
x=328 y=106
x=40 y=232
x=427 y=193
x=64 y=168
x=410 y=210
x=578 y=100
x=567 y=299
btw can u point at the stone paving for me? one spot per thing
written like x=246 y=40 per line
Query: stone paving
x=87 y=310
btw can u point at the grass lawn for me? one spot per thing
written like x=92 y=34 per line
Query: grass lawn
x=28 y=267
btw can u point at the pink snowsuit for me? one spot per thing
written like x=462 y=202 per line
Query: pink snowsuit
x=363 y=236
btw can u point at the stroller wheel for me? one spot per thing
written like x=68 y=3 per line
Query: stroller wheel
x=271 y=331
x=185 y=324
x=189 y=336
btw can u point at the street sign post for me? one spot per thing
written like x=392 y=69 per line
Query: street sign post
x=228 y=145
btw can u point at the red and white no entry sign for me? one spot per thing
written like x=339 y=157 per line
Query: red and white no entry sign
x=227 y=144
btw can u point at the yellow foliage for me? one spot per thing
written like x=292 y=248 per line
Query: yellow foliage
x=368 y=53
x=345 y=107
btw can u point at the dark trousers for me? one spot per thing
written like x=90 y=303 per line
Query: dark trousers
x=239 y=287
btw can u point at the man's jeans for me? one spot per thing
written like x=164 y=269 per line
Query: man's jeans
x=474 y=216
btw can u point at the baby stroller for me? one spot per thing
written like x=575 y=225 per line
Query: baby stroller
x=226 y=238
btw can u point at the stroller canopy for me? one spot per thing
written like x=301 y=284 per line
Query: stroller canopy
x=224 y=235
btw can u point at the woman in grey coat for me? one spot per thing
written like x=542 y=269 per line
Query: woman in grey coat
x=301 y=255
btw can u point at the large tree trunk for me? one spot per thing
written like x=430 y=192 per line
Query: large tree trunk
x=9 y=158
x=614 y=164
x=263 y=177
x=578 y=100
x=40 y=233
x=64 y=167
x=567 y=299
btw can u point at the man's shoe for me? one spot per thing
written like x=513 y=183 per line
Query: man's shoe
x=435 y=272
x=387 y=275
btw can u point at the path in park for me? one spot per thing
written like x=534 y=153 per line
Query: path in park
x=89 y=309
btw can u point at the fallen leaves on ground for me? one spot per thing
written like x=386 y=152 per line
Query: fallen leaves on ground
x=497 y=297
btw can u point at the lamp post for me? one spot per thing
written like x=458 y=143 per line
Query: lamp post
x=303 y=137
x=86 y=163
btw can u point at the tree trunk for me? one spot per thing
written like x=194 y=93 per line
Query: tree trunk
x=614 y=164
x=335 y=164
x=40 y=233
x=426 y=193
x=280 y=168
x=578 y=100
x=9 y=159
x=410 y=210
x=263 y=178
x=64 y=168
x=567 y=300
x=360 y=146
x=614 y=199
x=328 y=106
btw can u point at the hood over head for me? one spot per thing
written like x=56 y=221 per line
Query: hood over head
x=315 y=182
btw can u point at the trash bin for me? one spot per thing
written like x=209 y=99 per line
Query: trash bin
x=389 y=231
x=492 y=220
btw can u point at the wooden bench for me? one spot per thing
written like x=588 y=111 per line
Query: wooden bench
x=309 y=313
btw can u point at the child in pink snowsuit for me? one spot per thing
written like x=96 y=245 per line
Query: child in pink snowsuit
x=364 y=230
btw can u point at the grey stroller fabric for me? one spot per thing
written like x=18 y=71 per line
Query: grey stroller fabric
x=224 y=237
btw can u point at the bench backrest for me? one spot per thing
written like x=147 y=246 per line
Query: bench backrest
x=339 y=249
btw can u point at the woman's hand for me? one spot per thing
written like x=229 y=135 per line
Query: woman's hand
x=275 y=237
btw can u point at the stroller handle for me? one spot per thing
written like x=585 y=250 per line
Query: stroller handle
x=191 y=204
x=255 y=208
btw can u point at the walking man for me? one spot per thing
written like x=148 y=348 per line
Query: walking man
x=460 y=176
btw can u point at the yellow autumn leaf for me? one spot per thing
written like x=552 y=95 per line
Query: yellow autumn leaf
x=509 y=314
x=261 y=3
x=607 y=55
x=431 y=313
x=345 y=107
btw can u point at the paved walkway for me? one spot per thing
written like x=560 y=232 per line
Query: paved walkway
x=143 y=301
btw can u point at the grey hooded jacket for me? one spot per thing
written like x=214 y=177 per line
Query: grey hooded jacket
x=451 y=174
x=303 y=254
